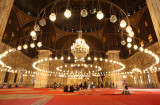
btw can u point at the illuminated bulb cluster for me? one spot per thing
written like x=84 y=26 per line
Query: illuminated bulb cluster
x=118 y=63
x=32 y=45
x=40 y=61
x=136 y=70
x=4 y=54
x=33 y=35
x=153 y=55
x=123 y=24
x=59 y=68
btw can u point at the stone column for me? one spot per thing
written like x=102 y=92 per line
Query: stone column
x=5 y=9
x=117 y=79
x=154 y=9
x=42 y=77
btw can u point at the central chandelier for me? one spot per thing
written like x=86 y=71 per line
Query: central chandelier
x=80 y=49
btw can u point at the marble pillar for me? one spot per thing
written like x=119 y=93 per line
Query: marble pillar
x=154 y=9
x=5 y=9
x=41 y=76
x=117 y=79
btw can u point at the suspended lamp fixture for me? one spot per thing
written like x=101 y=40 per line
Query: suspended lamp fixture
x=67 y=13
x=52 y=17
x=100 y=15
x=80 y=49
x=123 y=23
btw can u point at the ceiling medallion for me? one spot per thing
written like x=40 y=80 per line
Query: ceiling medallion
x=80 y=49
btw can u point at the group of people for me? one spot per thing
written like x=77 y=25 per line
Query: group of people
x=9 y=86
x=112 y=85
x=85 y=86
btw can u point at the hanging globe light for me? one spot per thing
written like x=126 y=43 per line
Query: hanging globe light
x=131 y=34
x=33 y=33
x=39 y=44
x=123 y=42
x=100 y=15
x=129 y=29
x=52 y=16
x=36 y=27
x=141 y=49
x=95 y=58
x=32 y=45
x=113 y=18
x=129 y=39
x=89 y=58
x=84 y=12
x=123 y=23
x=69 y=58
x=129 y=45
x=67 y=13
x=62 y=58
x=55 y=58
x=34 y=38
x=19 y=47
x=42 y=22
x=135 y=47
x=25 y=46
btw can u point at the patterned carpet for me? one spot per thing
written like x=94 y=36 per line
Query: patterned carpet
x=105 y=96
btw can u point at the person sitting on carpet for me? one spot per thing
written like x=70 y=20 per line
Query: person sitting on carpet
x=16 y=85
x=125 y=89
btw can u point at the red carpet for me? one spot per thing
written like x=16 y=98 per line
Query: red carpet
x=28 y=96
x=18 y=101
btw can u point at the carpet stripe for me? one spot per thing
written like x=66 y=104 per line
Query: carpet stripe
x=43 y=101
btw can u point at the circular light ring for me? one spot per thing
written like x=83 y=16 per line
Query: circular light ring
x=4 y=54
x=59 y=68
x=153 y=55
x=40 y=61
x=136 y=70
x=118 y=63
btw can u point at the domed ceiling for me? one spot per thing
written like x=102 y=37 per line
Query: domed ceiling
x=101 y=35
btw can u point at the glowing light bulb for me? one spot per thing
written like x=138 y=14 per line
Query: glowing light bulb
x=25 y=46
x=100 y=15
x=69 y=58
x=129 y=45
x=95 y=58
x=55 y=58
x=106 y=60
x=39 y=44
x=89 y=58
x=67 y=13
x=123 y=23
x=32 y=45
x=135 y=47
x=19 y=47
x=131 y=34
x=129 y=29
x=129 y=39
x=101 y=59
x=141 y=49
x=33 y=33
x=62 y=58
x=50 y=58
x=52 y=16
